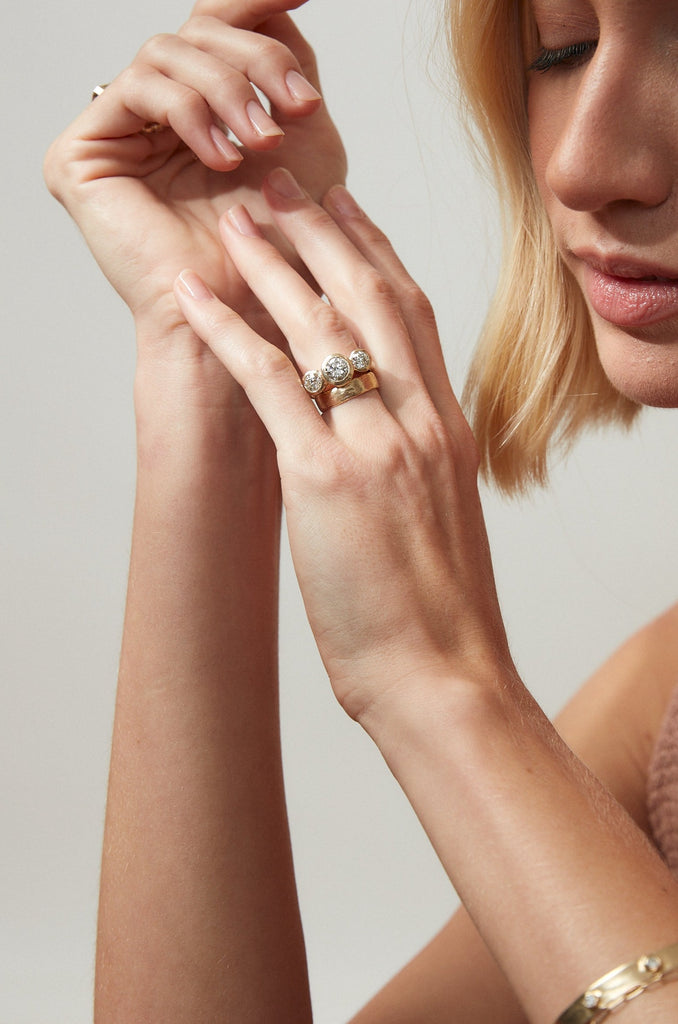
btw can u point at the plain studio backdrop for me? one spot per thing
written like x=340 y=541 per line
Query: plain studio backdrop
x=579 y=566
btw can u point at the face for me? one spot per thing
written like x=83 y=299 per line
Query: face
x=603 y=113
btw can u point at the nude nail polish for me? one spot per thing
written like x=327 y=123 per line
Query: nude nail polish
x=300 y=88
x=261 y=122
x=282 y=182
x=240 y=218
x=224 y=145
x=194 y=286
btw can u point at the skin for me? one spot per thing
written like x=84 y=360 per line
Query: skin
x=611 y=193
x=198 y=917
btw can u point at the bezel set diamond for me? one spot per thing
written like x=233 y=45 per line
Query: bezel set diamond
x=336 y=370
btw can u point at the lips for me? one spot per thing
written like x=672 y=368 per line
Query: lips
x=629 y=293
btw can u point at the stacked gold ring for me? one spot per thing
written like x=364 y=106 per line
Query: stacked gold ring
x=340 y=378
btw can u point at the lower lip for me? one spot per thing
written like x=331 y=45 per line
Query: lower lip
x=628 y=302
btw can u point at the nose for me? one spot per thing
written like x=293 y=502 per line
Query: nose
x=614 y=145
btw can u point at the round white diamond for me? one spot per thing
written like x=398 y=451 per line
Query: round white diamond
x=313 y=382
x=651 y=964
x=591 y=1000
x=336 y=370
x=360 y=359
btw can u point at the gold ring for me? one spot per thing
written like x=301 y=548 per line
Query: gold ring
x=336 y=371
x=355 y=387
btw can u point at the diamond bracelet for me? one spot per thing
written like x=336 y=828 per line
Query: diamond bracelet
x=621 y=986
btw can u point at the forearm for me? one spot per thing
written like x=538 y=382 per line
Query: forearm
x=559 y=881
x=198 y=914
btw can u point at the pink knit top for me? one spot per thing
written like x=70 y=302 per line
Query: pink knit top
x=662 y=787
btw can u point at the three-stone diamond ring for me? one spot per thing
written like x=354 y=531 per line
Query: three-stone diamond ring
x=340 y=378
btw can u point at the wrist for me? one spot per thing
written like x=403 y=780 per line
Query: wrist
x=188 y=408
x=441 y=702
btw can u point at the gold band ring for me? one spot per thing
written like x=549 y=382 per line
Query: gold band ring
x=355 y=387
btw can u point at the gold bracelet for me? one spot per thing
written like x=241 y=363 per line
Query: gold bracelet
x=621 y=985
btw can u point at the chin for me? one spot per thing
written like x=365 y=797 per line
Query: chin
x=645 y=371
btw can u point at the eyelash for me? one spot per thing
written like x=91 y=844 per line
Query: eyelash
x=568 y=56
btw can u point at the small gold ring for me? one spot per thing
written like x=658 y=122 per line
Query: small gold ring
x=355 y=387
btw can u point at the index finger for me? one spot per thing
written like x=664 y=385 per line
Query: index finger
x=245 y=13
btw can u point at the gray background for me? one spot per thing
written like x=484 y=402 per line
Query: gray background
x=578 y=567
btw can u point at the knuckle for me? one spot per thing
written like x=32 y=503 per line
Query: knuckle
x=156 y=48
x=54 y=169
x=198 y=28
x=271 y=52
x=268 y=363
x=376 y=287
x=417 y=303
x=323 y=321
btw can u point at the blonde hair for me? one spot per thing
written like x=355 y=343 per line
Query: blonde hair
x=535 y=379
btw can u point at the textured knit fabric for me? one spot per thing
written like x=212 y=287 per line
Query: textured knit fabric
x=662 y=786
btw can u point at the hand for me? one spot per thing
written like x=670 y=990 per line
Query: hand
x=148 y=204
x=383 y=511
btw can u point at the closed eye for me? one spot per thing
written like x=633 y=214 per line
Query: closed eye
x=565 y=56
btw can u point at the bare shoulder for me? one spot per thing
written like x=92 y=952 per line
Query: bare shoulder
x=613 y=721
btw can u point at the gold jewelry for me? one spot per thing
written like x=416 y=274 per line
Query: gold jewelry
x=621 y=985
x=150 y=128
x=355 y=387
x=336 y=370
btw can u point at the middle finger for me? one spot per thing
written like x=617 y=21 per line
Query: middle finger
x=363 y=313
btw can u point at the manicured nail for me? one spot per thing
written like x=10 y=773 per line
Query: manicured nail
x=194 y=286
x=300 y=88
x=241 y=220
x=344 y=203
x=261 y=122
x=224 y=145
x=282 y=182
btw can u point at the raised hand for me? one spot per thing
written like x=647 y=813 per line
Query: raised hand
x=382 y=506
x=148 y=201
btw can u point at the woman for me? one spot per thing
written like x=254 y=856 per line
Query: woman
x=546 y=847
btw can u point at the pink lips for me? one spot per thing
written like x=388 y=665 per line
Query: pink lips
x=629 y=294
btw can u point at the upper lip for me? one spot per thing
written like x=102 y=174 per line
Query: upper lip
x=625 y=266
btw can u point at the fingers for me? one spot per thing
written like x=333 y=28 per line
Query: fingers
x=244 y=13
x=384 y=310
x=202 y=79
x=416 y=308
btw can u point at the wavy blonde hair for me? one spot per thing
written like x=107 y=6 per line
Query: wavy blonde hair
x=535 y=379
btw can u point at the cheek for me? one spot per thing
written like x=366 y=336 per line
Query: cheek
x=544 y=118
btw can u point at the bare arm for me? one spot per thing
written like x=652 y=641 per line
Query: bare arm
x=198 y=911
x=611 y=725
x=558 y=879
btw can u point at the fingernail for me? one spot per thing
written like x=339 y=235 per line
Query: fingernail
x=344 y=203
x=241 y=220
x=300 y=88
x=194 y=286
x=261 y=122
x=224 y=145
x=282 y=182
